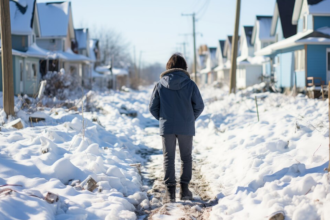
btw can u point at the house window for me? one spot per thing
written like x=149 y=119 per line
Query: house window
x=27 y=70
x=305 y=22
x=34 y=70
x=299 y=60
x=23 y=42
x=21 y=71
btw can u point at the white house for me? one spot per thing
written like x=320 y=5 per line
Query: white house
x=249 y=68
x=83 y=48
x=221 y=70
x=55 y=32
x=262 y=37
x=224 y=59
x=209 y=63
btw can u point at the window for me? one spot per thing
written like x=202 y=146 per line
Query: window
x=305 y=22
x=299 y=61
x=21 y=70
x=34 y=71
x=27 y=70
x=23 y=42
x=328 y=60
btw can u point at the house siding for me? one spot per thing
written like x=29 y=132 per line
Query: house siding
x=279 y=31
x=20 y=42
x=316 y=62
x=51 y=44
x=321 y=21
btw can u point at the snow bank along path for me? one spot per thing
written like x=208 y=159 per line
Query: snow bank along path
x=53 y=157
x=255 y=169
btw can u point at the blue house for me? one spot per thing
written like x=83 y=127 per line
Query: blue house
x=26 y=54
x=306 y=53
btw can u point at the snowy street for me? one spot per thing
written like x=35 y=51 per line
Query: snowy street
x=243 y=169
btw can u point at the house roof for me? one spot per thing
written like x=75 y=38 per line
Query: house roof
x=54 y=18
x=320 y=36
x=82 y=38
x=283 y=12
x=315 y=7
x=248 y=30
x=21 y=16
x=222 y=46
x=263 y=23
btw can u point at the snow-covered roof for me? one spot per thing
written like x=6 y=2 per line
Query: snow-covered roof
x=257 y=60
x=320 y=36
x=315 y=7
x=115 y=71
x=262 y=29
x=82 y=38
x=33 y=51
x=54 y=18
x=70 y=56
x=21 y=16
x=321 y=8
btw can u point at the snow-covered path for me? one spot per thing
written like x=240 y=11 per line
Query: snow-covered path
x=253 y=169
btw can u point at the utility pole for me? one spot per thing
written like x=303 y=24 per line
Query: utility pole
x=194 y=36
x=7 y=60
x=232 y=86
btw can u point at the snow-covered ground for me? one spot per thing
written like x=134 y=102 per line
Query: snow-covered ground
x=254 y=168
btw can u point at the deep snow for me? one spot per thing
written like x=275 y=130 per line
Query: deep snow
x=254 y=168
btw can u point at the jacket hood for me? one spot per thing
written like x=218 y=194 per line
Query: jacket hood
x=174 y=79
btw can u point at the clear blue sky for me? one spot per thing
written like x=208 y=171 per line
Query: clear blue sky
x=154 y=26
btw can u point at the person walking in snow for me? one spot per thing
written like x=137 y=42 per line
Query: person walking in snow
x=176 y=102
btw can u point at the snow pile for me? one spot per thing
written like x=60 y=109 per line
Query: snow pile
x=55 y=157
x=275 y=165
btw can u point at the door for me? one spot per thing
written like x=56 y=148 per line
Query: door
x=21 y=76
x=328 y=65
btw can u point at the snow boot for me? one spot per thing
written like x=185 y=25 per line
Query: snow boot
x=185 y=193
x=169 y=194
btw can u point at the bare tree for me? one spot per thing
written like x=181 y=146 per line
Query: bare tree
x=113 y=47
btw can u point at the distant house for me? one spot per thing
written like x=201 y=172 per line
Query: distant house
x=82 y=48
x=221 y=69
x=115 y=78
x=55 y=32
x=306 y=53
x=249 y=68
x=26 y=54
x=261 y=38
x=224 y=51
x=210 y=61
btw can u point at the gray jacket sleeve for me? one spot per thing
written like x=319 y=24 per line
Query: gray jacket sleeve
x=197 y=102
x=154 y=105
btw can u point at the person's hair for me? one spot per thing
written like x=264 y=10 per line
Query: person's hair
x=176 y=61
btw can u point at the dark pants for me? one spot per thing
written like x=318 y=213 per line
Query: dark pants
x=169 y=147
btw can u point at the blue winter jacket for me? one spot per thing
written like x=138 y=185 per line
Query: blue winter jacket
x=176 y=102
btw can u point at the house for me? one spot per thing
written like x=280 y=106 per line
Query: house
x=26 y=54
x=209 y=62
x=282 y=28
x=261 y=38
x=116 y=78
x=224 y=56
x=82 y=48
x=222 y=70
x=306 y=53
x=249 y=68
x=55 y=32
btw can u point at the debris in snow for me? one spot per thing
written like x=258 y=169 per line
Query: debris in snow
x=89 y=184
x=16 y=124
x=51 y=198
x=278 y=216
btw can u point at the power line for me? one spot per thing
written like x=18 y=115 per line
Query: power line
x=203 y=9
